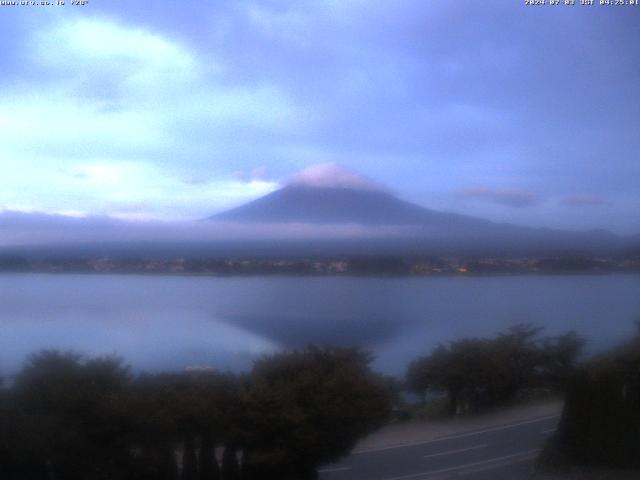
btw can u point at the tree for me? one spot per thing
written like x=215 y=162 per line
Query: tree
x=437 y=373
x=153 y=404
x=72 y=416
x=230 y=467
x=190 y=411
x=600 y=423
x=477 y=373
x=189 y=460
x=306 y=408
x=207 y=462
x=559 y=356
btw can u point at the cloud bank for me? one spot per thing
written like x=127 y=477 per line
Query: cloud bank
x=20 y=228
x=512 y=197
x=584 y=200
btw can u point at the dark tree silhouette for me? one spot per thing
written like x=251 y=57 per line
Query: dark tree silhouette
x=230 y=467
x=478 y=373
x=208 y=464
x=600 y=424
x=72 y=416
x=67 y=417
x=309 y=407
x=189 y=460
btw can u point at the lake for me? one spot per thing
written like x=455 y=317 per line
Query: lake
x=170 y=322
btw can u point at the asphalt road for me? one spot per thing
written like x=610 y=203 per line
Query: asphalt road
x=495 y=453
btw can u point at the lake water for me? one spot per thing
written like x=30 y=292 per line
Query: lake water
x=173 y=322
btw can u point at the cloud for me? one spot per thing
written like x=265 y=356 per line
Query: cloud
x=333 y=175
x=124 y=189
x=37 y=228
x=510 y=197
x=125 y=116
x=93 y=41
x=260 y=174
x=584 y=200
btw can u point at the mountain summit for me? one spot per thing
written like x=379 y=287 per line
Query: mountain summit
x=331 y=194
x=333 y=175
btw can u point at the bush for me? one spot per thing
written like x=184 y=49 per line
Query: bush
x=600 y=424
x=477 y=374
x=310 y=407
x=68 y=417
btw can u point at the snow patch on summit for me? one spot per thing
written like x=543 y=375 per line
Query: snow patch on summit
x=333 y=175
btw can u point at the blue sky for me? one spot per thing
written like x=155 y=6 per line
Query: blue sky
x=177 y=110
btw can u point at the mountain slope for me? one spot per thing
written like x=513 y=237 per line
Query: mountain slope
x=427 y=229
x=328 y=205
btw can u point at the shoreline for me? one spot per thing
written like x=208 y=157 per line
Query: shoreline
x=322 y=275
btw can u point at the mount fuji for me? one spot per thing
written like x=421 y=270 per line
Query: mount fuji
x=330 y=194
x=333 y=195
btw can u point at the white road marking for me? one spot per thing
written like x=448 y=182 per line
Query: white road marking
x=455 y=436
x=336 y=469
x=459 y=450
x=525 y=454
x=549 y=430
x=495 y=465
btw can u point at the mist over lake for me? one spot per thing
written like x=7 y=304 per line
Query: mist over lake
x=171 y=322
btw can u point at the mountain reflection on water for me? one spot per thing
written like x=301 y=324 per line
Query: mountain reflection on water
x=174 y=322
